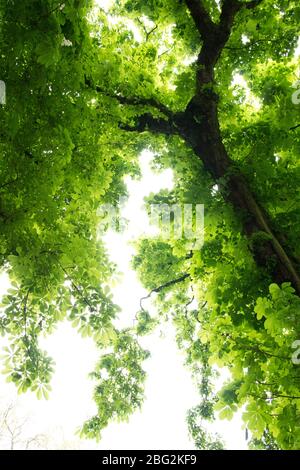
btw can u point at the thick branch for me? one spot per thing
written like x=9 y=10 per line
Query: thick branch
x=135 y=101
x=231 y=7
x=132 y=100
x=146 y=122
x=215 y=36
x=252 y=4
x=201 y=17
x=229 y=10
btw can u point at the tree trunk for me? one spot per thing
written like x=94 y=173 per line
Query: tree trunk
x=199 y=127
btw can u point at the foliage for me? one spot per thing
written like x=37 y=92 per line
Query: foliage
x=120 y=378
x=267 y=442
x=87 y=90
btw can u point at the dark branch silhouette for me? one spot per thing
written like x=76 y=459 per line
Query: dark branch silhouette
x=164 y=286
x=131 y=100
x=146 y=122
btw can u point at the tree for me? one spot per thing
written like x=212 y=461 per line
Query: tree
x=16 y=432
x=82 y=101
x=13 y=433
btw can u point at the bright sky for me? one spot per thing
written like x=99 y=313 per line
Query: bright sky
x=170 y=391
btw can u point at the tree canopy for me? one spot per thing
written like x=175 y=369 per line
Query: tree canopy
x=210 y=87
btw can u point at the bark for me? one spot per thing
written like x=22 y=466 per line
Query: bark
x=199 y=126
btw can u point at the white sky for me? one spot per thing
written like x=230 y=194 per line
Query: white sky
x=170 y=391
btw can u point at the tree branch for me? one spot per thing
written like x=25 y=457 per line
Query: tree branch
x=146 y=122
x=294 y=127
x=14 y=180
x=75 y=287
x=25 y=313
x=132 y=100
x=252 y=4
x=165 y=52
x=164 y=286
x=147 y=33
x=205 y=25
x=291 y=397
x=254 y=43
x=201 y=17
x=238 y=5
x=190 y=301
x=215 y=36
x=135 y=101
x=254 y=347
x=229 y=10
